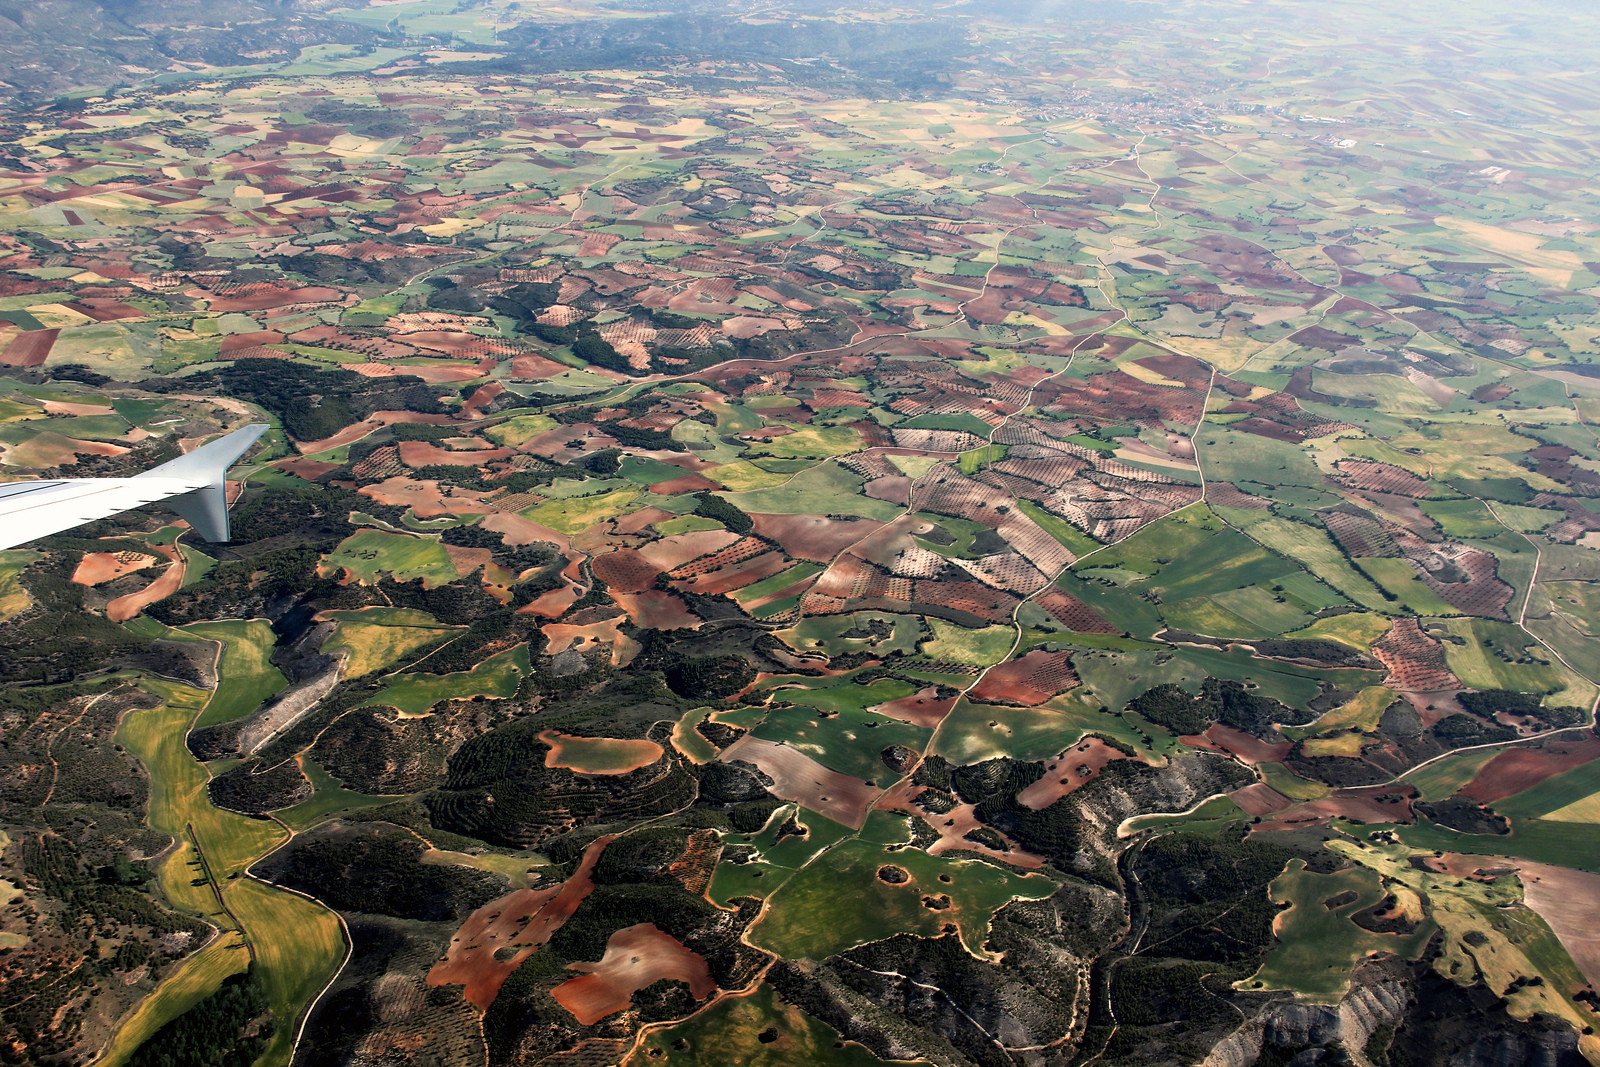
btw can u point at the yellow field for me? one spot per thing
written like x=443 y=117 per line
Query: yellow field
x=14 y=599
x=376 y=638
x=1361 y=712
x=1337 y=745
x=1586 y=810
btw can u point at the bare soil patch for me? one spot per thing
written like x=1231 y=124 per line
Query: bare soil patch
x=635 y=957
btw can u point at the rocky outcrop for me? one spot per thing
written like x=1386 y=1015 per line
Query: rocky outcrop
x=1288 y=1026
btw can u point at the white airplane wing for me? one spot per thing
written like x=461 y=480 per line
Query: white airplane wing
x=193 y=485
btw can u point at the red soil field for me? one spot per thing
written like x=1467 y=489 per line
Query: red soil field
x=1029 y=680
x=1075 y=767
x=521 y=921
x=59 y=407
x=656 y=609
x=432 y=373
x=239 y=342
x=355 y=432
x=740 y=551
x=126 y=607
x=684 y=483
x=1374 y=804
x=427 y=454
x=625 y=571
x=535 y=368
x=635 y=957
x=309 y=469
x=1259 y=799
x=598 y=755
x=261 y=297
x=801 y=779
x=735 y=576
x=1247 y=747
x=923 y=708
x=427 y=499
x=1415 y=660
x=30 y=349
x=1525 y=766
x=671 y=552
x=98 y=567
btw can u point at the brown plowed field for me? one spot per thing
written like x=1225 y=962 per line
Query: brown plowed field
x=98 y=567
x=801 y=779
x=1570 y=902
x=30 y=349
x=1415 y=660
x=520 y=921
x=126 y=607
x=1259 y=799
x=1073 y=613
x=1075 y=767
x=1029 y=680
x=656 y=609
x=1525 y=766
x=812 y=537
x=625 y=571
x=923 y=708
x=635 y=957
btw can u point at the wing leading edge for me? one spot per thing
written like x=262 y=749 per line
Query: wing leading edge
x=194 y=487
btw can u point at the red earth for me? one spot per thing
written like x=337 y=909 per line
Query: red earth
x=520 y=921
x=635 y=957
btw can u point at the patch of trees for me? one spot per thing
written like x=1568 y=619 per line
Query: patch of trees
x=1490 y=702
x=1461 y=731
x=264 y=585
x=66 y=642
x=523 y=302
x=230 y=1028
x=379 y=123
x=1315 y=650
x=642 y=856
x=344 y=272
x=1174 y=708
x=456 y=299
x=378 y=869
x=589 y=346
x=499 y=789
x=515 y=558
x=1226 y=701
x=709 y=505
x=696 y=677
x=1207 y=895
x=253 y=790
x=313 y=403
x=641 y=437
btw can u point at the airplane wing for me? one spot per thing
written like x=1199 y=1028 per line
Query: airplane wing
x=194 y=486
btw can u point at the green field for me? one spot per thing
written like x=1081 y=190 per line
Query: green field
x=825 y=489
x=1317 y=943
x=246 y=677
x=837 y=900
x=1560 y=799
x=296 y=943
x=497 y=676
x=367 y=555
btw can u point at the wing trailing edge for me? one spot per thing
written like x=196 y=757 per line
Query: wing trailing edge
x=194 y=486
